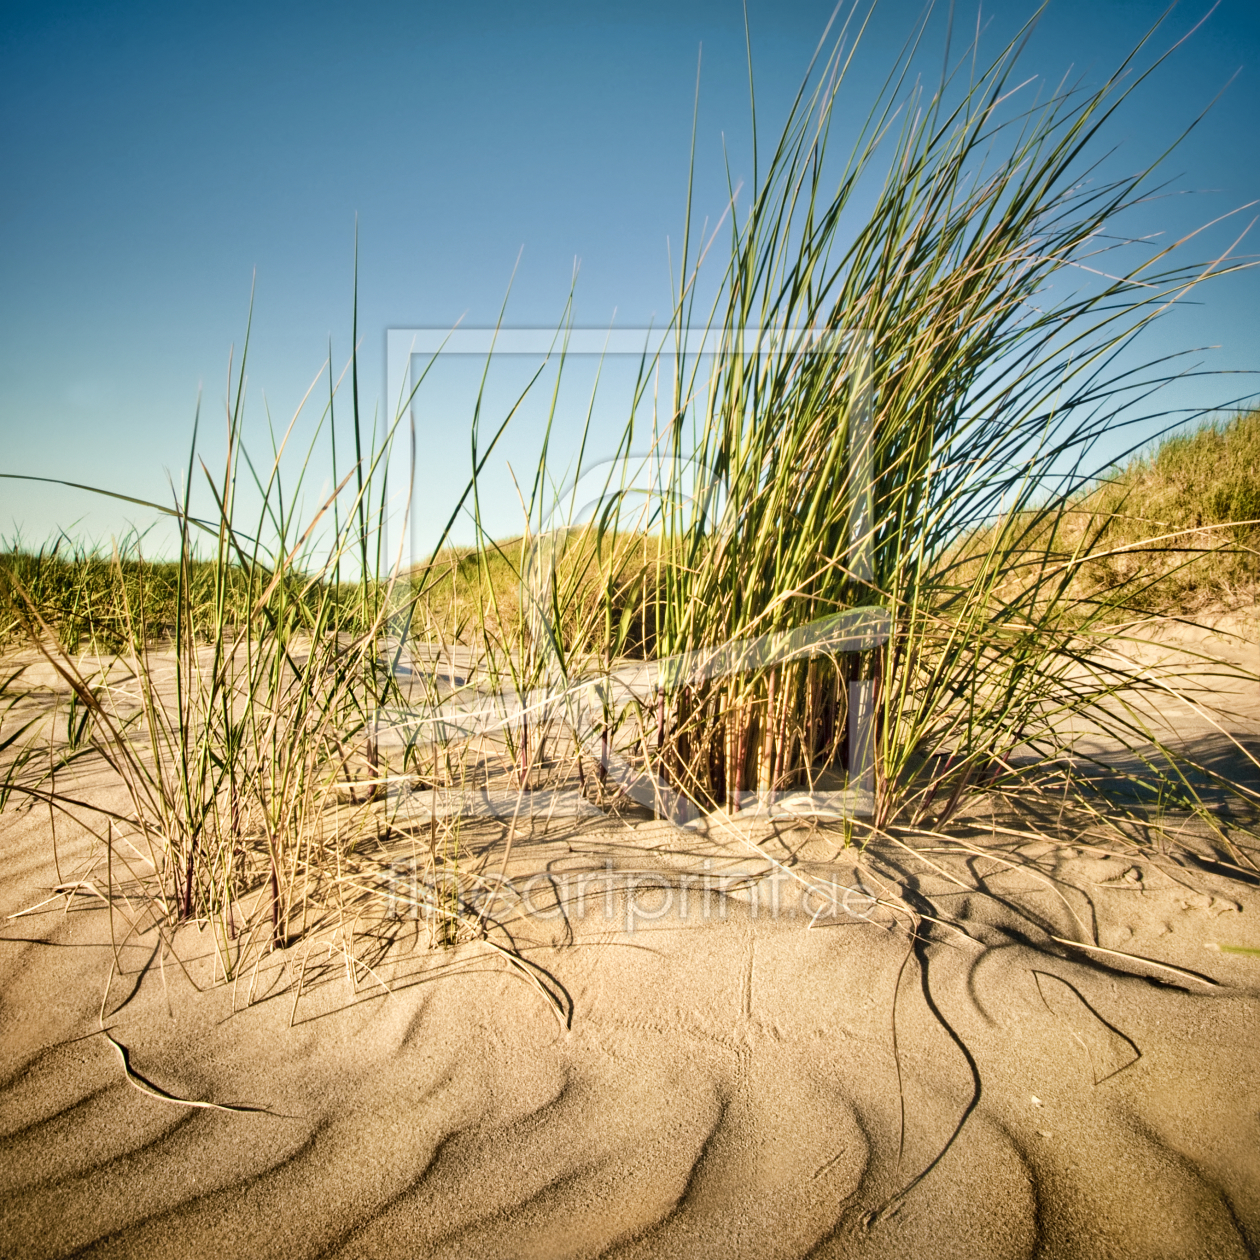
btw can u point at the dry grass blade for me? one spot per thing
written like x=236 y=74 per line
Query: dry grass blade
x=146 y=1086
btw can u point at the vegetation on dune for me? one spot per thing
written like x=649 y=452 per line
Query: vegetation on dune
x=1180 y=524
x=241 y=709
x=463 y=594
x=1177 y=525
x=102 y=602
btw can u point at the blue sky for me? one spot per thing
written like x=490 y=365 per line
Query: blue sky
x=156 y=157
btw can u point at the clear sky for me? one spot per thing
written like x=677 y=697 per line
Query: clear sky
x=155 y=157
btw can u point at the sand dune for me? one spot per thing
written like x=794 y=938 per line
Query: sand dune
x=987 y=1046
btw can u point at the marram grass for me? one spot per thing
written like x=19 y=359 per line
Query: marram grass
x=967 y=305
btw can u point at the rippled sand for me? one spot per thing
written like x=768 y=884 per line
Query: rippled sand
x=726 y=1070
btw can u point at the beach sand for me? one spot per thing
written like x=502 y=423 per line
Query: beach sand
x=701 y=1059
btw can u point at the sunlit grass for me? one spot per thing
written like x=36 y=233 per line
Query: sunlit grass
x=1180 y=524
